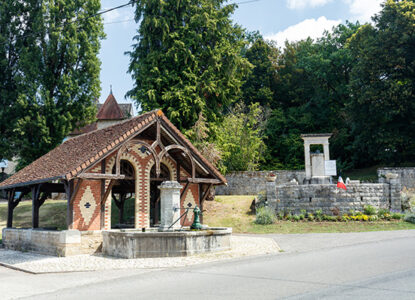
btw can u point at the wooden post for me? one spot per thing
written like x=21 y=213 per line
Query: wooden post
x=69 y=206
x=35 y=206
x=10 y=208
x=103 y=165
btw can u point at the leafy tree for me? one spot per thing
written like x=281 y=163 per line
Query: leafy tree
x=201 y=136
x=239 y=138
x=312 y=93
x=12 y=45
x=186 y=59
x=58 y=72
x=260 y=82
x=382 y=86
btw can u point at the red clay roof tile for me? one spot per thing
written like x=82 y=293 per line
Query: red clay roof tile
x=110 y=110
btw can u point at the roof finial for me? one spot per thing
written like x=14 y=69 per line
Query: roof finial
x=111 y=89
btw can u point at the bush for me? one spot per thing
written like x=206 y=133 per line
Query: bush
x=301 y=216
x=382 y=212
x=265 y=216
x=397 y=216
x=310 y=217
x=319 y=215
x=296 y=218
x=369 y=210
x=373 y=218
x=410 y=218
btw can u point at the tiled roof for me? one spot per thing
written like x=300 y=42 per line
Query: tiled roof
x=77 y=154
x=110 y=110
x=85 y=129
x=126 y=108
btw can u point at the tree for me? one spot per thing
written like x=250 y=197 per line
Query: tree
x=186 y=59
x=14 y=15
x=239 y=138
x=383 y=85
x=260 y=82
x=311 y=96
x=58 y=72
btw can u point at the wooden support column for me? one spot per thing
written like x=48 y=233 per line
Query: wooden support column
x=103 y=165
x=10 y=207
x=11 y=203
x=35 y=205
x=69 y=208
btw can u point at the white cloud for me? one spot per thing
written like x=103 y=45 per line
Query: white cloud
x=116 y=16
x=308 y=28
x=364 y=10
x=301 y=4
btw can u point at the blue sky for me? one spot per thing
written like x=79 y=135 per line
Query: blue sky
x=277 y=20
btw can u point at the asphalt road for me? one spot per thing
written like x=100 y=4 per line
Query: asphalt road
x=334 y=266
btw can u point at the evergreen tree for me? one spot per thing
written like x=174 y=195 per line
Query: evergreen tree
x=187 y=59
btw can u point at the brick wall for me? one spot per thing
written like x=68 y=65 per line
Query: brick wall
x=90 y=192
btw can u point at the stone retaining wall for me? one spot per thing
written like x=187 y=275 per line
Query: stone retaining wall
x=253 y=183
x=329 y=198
x=406 y=176
x=50 y=242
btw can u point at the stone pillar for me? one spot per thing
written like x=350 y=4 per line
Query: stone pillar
x=307 y=161
x=326 y=151
x=170 y=205
x=271 y=192
x=395 y=191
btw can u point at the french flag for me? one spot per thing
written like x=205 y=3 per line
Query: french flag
x=340 y=184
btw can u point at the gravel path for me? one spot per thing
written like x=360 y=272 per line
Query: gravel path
x=37 y=263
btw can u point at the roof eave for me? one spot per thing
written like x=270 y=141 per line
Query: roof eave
x=33 y=182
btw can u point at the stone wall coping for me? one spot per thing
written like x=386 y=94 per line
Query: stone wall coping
x=397 y=168
x=207 y=232
x=332 y=185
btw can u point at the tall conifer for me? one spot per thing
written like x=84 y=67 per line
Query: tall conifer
x=187 y=58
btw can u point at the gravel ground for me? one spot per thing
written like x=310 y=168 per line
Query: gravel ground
x=38 y=263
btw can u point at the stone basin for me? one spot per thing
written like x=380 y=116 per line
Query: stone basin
x=130 y=243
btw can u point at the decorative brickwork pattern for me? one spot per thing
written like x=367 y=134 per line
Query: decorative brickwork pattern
x=134 y=159
x=145 y=204
x=87 y=206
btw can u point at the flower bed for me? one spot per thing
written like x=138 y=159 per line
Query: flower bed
x=370 y=214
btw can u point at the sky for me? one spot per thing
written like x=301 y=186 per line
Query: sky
x=277 y=20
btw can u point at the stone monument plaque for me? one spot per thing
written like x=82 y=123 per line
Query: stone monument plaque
x=330 y=168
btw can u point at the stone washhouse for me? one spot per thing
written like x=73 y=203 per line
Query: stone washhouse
x=131 y=158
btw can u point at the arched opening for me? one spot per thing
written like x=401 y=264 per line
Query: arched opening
x=123 y=197
x=155 y=192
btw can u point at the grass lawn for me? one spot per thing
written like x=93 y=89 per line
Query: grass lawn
x=228 y=211
x=233 y=211
x=51 y=214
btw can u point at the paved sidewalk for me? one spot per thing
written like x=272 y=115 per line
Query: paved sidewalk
x=242 y=246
